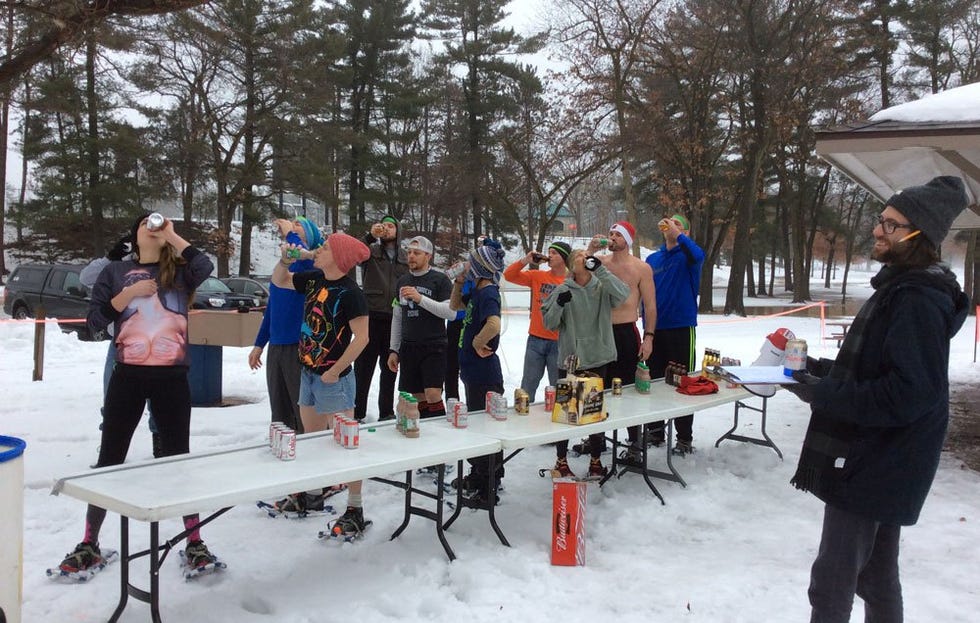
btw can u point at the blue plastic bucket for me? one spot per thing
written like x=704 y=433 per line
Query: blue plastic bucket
x=11 y=526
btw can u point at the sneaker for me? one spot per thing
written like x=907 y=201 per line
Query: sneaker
x=350 y=523
x=197 y=555
x=586 y=448
x=468 y=483
x=297 y=503
x=682 y=447
x=562 y=469
x=85 y=556
x=596 y=468
x=632 y=455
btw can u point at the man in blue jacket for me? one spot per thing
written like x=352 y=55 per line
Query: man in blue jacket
x=881 y=408
x=677 y=277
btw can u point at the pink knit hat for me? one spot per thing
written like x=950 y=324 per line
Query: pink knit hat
x=347 y=251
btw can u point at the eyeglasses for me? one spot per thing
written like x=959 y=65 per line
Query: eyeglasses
x=889 y=226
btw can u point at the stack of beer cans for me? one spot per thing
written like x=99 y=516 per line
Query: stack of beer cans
x=346 y=431
x=282 y=441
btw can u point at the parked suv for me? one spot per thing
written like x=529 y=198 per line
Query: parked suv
x=57 y=288
x=249 y=287
x=213 y=294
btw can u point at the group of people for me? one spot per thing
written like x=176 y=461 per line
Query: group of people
x=879 y=410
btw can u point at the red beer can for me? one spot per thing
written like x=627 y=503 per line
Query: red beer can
x=461 y=416
x=549 y=398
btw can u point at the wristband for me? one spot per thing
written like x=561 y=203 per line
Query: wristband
x=646 y=333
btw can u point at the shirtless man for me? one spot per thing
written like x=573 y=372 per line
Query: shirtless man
x=636 y=274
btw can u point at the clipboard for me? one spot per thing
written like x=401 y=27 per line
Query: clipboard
x=756 y=375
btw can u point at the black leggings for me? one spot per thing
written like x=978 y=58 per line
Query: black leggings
x=169 y=393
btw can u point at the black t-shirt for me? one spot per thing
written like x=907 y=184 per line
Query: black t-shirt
x=420 y=325
x=330 y=306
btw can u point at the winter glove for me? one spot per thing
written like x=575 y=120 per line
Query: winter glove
x=592 y=263
x=563 y=298
x=120 y=250
x=804 y=386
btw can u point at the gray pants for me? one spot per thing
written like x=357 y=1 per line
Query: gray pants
x=282 y=372
x=857 y=556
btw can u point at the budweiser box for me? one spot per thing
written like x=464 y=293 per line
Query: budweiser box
x=568 y=522
x=578 y=400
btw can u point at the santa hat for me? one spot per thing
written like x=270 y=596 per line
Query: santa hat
x=625 y=230
x=779 y=337
x=772 y=353
x=347 y=251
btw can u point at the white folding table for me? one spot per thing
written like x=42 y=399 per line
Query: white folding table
x=155 y=490
x=630 y=409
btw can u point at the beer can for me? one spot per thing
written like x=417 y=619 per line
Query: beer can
x=461 y=416
x=617 y=386
x=337 y=421
x=350 y=433
x=287 y=445
x=549 y=398
x=276 y=435
x=456 y=270
x=450 y=405
x=522 y=402
x=499 y=410
x=795 y=356
x=155 y=221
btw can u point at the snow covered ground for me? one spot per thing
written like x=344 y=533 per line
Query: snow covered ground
x=735 y=545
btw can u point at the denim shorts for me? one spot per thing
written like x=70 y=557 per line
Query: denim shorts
x=326 y=397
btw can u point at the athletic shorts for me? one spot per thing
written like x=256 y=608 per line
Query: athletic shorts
x=421 y=366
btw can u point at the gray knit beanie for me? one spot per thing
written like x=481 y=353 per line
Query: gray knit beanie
x=932 y=206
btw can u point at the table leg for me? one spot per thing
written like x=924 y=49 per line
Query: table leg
x=492 y=499
x=123 y=569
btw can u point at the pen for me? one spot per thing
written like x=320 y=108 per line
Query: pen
x=910 y=236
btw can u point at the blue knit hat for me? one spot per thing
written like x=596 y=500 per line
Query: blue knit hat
x=486 y=262
x=314 y=238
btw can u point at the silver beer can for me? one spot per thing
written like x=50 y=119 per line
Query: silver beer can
x=287 y=445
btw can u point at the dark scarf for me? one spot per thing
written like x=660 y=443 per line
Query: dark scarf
x=828 y=439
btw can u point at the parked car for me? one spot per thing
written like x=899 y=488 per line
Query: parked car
x=249 y=287
x=213 y=294
x=56 y=288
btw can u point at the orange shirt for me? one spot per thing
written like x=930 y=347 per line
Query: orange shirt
x=541 y=282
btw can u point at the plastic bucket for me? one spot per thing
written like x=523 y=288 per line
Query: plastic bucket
x=11 y=526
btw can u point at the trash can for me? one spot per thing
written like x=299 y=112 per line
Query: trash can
x=204 y=375
x=11 y=527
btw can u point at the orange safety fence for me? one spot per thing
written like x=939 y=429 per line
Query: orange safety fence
x=823 y=317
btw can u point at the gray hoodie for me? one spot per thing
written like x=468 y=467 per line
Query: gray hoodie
x=584 y=324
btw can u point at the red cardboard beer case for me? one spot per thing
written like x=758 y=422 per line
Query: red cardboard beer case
x=568 y=522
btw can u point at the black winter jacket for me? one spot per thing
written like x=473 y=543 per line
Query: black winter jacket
x=896 y=395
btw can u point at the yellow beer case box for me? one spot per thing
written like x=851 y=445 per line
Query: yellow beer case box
x=578 y=400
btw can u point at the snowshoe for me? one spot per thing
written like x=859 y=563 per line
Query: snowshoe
x=83 y=564
x=197 y=560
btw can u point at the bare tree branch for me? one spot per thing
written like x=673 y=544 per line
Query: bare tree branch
x=68 y=20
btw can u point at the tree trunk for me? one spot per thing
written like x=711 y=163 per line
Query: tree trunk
x=92 y=151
